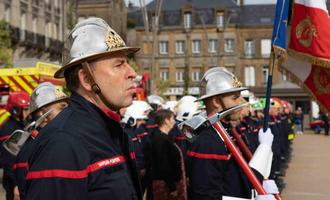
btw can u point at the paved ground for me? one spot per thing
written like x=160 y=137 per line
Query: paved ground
x=2 y=191
x=308 y=176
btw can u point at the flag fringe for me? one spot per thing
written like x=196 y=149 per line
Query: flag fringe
x=282 y=52
x=323 y=62
x=292 y=77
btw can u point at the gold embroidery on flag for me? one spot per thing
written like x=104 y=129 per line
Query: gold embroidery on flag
x=305 y=31
x=321 y=79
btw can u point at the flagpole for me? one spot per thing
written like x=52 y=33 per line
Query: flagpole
x=269 y=89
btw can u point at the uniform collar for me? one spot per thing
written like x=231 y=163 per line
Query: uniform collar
x=111 y=114
x=82 y=103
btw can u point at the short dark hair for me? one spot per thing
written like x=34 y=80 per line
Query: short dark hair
x=71 y=78
x=162 y=115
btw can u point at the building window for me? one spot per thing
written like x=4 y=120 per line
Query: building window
x=249 y=76
x=163 y=47
x=48 y=5
x=196 y=75
x=48 y=30
x=23 y=25
x=283 y=76
x=265 y=74
x=7 y=13
x=35 y=2
x=229 y=45
x=213 y=45
x=56 y=4
x=146 y=47
x=249 y=48
x=196 y=46
x=265 y=48
x=34 y=24
x=179 y=76
x=179 y=47
x=220 y=19
x=164 y=75
x=23 y=20
x=56 y=29
x=187 y=20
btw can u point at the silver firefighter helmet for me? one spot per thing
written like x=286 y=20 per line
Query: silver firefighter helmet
x=45 y=94
x=155 y=99
x=90 y=39
x=219 y=80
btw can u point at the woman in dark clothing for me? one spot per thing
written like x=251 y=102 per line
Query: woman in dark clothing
x=168 y=175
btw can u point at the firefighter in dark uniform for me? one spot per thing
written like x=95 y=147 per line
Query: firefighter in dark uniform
x=156 y=102
x=135 y=119
x=213 y=172
x=247 y=129
x=46 y=97
x=286 y=128
x=83 y=152
x=18 y=107
x=185 y=109
x=274 y=125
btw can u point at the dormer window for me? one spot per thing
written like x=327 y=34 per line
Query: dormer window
x=187 y=20
x=220 y=19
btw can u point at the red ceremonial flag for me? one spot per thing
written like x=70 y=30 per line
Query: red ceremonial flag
x=308 y=63
x=313 y=78
x=310 y=25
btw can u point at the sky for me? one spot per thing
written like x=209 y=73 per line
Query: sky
x=136 y=2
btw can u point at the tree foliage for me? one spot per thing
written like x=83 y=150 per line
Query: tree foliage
x=6 y=52
x=133 y=64
x=71 y=14
x=162 y=86
x=186 y=80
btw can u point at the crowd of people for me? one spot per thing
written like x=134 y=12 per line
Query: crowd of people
x=99 y=143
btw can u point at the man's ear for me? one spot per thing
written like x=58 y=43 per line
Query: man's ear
x=216 y=102
x=84 y=80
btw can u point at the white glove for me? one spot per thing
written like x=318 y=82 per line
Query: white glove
x=270 y=187
x=266 y=138
x=265 y=197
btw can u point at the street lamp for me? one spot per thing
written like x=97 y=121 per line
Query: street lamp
x=155 y=28
x=187 y=29
x=222 y=26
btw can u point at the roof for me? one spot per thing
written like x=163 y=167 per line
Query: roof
x=247 y=15
x=252 y=15
x=199 y=4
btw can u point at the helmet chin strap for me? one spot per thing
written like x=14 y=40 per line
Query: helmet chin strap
x=224 y=108
x=95 y=88
x=222 y=104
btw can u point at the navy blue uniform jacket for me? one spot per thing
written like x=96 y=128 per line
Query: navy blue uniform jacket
x=8 y=160
x=212 y=170
x=21 y=166
x=82 y=154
